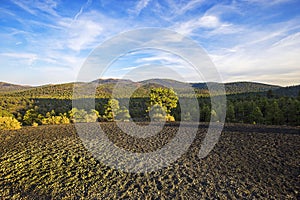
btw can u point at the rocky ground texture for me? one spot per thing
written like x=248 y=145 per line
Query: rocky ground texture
x=248 y=162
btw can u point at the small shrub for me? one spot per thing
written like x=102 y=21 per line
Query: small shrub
x=9 y=123
x=64 y=119
x=52 y=119
x=170 y=118
x=157 y=117
x=34 y=124
x=92 y=116
x=187 y=117
x=123 y=115
x=157 y=113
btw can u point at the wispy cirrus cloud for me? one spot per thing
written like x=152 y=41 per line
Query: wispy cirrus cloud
x=86 y=5
x=204 y=22
x=27 y=57
x=210 y=22
x=161 y=57
x=142 y=4
x=275 y=59
x=267 y=3
x=171 y=10
x=82 y=33
x=34 y=7
x=248 y=39
x=149 y=64
x=247 y=51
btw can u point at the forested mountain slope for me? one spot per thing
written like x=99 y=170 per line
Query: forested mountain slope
x=292 y=91
x=8 y=87
x=106 y=87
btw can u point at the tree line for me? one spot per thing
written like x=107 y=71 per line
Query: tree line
x=162 y=104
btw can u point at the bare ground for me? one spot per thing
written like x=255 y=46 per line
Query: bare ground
x=248 y=162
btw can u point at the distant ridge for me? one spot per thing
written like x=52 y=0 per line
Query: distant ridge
x=112 y=81
x=105 y=88
x=246 y=87
x=9 y=87
x=288 y=91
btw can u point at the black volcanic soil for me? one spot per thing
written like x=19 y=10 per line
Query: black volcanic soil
x=248 y=162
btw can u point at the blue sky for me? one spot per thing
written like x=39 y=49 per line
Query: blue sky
x=248 y=40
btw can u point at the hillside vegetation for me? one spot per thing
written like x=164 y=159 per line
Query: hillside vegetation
x=8 y=87
x=106 y=86
x=252 y=103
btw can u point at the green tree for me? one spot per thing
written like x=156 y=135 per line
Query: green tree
x=239 y=112
x=262 y=104
x=273 y=114
x=270 y=94
x=205 y=114
x=214 y=116
x=111 y=109
x=252 y=113
x=123 y=114
x=256 y=115
x=230 y=113
x=247 y=114
x=32 y=116
x=290 y=111
x=78 y=115
x=5 y=113
x=157 y=113
x=297 y=122
x=92 y=116
x=165 y=98
x=51 y=118
x=187 y=117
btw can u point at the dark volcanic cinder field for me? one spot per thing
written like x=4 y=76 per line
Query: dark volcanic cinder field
x=252 y=162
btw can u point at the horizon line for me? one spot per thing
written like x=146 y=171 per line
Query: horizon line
x=190 y=82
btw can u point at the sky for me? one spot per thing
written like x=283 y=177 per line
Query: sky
x=48 y=41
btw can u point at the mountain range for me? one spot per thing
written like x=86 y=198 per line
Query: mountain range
x=106 y=86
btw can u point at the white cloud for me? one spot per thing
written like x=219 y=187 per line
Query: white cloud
x=277 y=62
x=267 y=2
x=42 y=24
x=87 y=4
x=62 y=43
x=33 y=7
x=209 y=22
x=24 y=6
x=82 y=33
x=163 y=58
x=150 y=71
x=251 y=51
x=176 y=9
x=28 y=57
x=6 y=12
x=128 y=68
x=288 y=41
x=88 y=30
x=148 y=64
x=242 y=48
x=47 y=6
x=185 y=7
x=142 y=4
